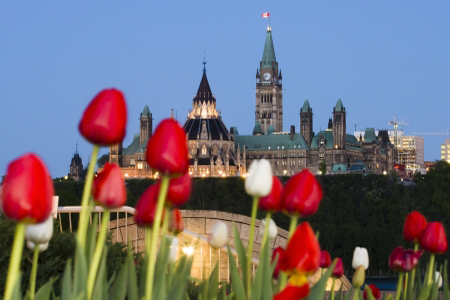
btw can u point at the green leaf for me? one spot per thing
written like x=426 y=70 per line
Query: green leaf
x=434 y=289
x=425 y=292
x=445 y=277
x=91 y=239
x=350 y=292
x=369 y=292
x=267 y=289
x=162 y=260
x=241 y=255
x=222 y=294
x=143 y=275
x=132 y=278
x=213 y=283
x=80 y=273
x=100 y=291
x=339 y=293
x=45 y=291
x=258 y=282
x=180 y=285
x=66 y=289
x=119 y=288
x=236 y=282
x=409 y=289
x=16 y=293
x=418 y=282
x=318 y=290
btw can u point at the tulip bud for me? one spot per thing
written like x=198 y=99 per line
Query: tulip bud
x=273 y=229
x=179 y=190
x=389 y=297
x=104 y=120
x=358 y=277
x=272 y=202
x=173 y=250
x=146 y=207
x=258 y=182
x=338 y=270
x=27 y=190
x=325 y=259
x=108 y=188
x=218 y=235
x=176 y=224
x=415 y=223
x=433 y=238
x=40 y=233
x=375 y=292
x=277 y=252
x=360 y=258
x=167 y=149
x=438 y=279
x=42 y=247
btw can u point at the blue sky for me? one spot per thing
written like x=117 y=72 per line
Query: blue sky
x=380 y=57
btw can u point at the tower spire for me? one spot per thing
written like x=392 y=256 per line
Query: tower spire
x=204 y=61
x=269 y=60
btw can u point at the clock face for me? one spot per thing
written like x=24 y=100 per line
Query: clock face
x=266 y=76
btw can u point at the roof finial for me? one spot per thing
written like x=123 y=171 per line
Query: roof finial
x=204 y=61
x=76 y=148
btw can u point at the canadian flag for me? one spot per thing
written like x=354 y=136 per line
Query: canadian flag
x=266 y=15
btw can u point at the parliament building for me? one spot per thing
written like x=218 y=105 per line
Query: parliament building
x=216 y=151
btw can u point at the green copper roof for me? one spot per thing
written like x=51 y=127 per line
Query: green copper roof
x=269 y=52
x=339 y=106
x=369 y=135
x=235 y=131
x=339 y=168
x=146 y=111
x=350 y=141
x=270 y=130
x=133 y=147
x=306 y=106
x=271 y=142
x=257 y=129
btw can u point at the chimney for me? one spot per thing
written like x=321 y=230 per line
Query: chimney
x=292 y=132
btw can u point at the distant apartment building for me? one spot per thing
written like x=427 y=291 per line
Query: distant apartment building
x=445 y=150
x=410 y=149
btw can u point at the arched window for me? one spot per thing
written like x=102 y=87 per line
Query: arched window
x=204 y=150
x=270 y=98
x=261 y=98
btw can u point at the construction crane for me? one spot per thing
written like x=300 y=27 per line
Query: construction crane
x=432 y=133
x=395 y=123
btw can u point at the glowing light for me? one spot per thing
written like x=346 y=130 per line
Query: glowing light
x=188 y=250
x=126 y=174
x=285 y=172
x=384 y=172
x=65 y=177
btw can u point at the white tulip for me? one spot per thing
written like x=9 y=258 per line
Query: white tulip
x=258 y=182
x=40 y=233
x=438 y=278
x=360 y=258
x=42 y=247
x=218 y=235
x=273 y=229
x=173 y=250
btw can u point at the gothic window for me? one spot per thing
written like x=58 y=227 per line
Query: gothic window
x=192 y=149
x=139 y=166
x=268 y=121
x=215 y=149
x=204 y=150
x=261 y=98
x=270 y=98
x=321 y=153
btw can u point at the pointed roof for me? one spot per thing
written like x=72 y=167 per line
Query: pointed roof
x=257 y=73
x=204 y=93
x=257 y=129
x=306 y=106
x=279 y=76
x=145 y=111
x=339 y=106
x=269 y=52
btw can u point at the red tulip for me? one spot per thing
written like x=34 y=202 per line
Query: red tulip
x=167 y=149
x=292 y=292
x=176 y=224
x=433 y=238
x=146 y=207
x=325 y=259
x=272 y=201
x=302 y=256
x=27 y=191
x=104 y=120
x=404 y=260
x=280 y=252
x=338 y=270
x=179 y=190
x=108 y=188
x=375 y=292
x=415 y=223
x=301 y=194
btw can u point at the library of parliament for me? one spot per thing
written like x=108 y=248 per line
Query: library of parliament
x=218 y=151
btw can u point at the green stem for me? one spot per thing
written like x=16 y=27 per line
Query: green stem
x=97 y=254
x=266 y=229
x=148 y=240
x=85 y=207
x=399 y=286
x=14 y=261
x=356 y=293
x=34 y=271
x=430 y=269
x=413 y=274
x=155 y=233
x=406 y=286
x=250 y=244
x=293 y=226
x=332 y=289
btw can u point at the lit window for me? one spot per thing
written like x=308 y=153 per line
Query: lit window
x=139 y=166
x=203 y=149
